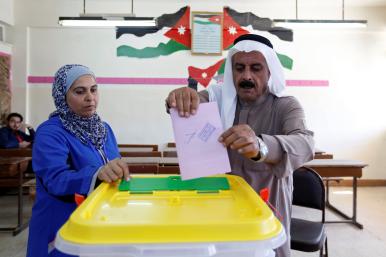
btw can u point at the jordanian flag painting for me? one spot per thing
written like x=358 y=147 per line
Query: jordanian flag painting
x=176 y=38
x=173 y=34
x=236 y=24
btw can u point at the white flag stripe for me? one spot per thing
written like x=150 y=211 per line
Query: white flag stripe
x=201 y=19
x=148 y=40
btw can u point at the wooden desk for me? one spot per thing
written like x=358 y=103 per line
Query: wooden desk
x=16 y=152
x=12 y=175
x=329 y=168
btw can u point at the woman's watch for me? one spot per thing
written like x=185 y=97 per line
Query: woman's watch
x=263 y=150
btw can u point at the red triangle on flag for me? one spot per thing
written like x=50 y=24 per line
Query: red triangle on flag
x=215 y=19
x=204 y=76
x=180 y=32
x=232 y=30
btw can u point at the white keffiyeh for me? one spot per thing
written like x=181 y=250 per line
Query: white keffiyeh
x=225 y=94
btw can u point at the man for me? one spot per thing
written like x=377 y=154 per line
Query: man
x=265 y=132
x=12 y=137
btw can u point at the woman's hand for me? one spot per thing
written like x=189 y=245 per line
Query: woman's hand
x=114 y=170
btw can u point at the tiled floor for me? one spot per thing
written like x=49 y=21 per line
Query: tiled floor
x=344 y=240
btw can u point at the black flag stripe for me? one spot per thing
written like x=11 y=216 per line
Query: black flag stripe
x=258 y=23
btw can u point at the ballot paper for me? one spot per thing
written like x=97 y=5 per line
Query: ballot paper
x=199 y=152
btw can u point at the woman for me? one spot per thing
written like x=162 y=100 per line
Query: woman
x=73 y=150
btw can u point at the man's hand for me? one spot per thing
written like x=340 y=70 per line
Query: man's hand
x=28 y=126
x=114 y=170
x=185 y=100
x=242 y=139
x=24 y=144
x=24 y=127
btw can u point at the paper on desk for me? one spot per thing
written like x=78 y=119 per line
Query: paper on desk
x=199 y=152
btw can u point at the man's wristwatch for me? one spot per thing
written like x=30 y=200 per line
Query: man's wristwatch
x=263 y=150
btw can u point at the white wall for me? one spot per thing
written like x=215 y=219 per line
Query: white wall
x=5 y=48
x=6 y=11
x=347 y=116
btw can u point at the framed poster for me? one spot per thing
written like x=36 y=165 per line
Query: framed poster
x=207 y=33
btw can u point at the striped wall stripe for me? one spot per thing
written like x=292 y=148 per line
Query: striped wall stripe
x=168 y=81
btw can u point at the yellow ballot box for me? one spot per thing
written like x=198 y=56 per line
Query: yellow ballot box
x=163 y=216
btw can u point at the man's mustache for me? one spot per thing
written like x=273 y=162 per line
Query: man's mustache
x=246 y=84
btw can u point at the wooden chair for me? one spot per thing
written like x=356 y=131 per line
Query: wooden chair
x=168 y=170
x=171 y=144
x=141 y=154
x=169 y=154
x=143 y=168
x=151 y=146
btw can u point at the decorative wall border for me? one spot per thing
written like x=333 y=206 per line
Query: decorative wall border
x=168 y=81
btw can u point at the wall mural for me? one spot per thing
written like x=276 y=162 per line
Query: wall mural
x=178 y=31
x=173 y=35
x=5 y=84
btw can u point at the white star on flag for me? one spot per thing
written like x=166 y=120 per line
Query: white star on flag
x=181 y=30
x=204 y=75
x=232 y=30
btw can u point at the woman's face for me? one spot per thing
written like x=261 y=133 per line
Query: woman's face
x=82 y=97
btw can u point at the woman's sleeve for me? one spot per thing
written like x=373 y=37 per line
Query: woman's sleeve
x=51 y=163
x=112 y=145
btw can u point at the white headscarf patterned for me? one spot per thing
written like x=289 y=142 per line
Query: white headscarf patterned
x=225 y=94
x=86 y=129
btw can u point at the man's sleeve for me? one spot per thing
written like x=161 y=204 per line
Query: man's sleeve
x=6 y=139
x=294 y=145
x=204 y=96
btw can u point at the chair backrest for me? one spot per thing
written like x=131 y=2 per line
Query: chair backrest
x=141 y=154
x=169 y=170
x=143 y=168
x=169 y=153
x=150 y=146
x=171 y=144
x=308 y=189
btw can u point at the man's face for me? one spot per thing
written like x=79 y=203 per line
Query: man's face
x=14 y=123
x=250 y=75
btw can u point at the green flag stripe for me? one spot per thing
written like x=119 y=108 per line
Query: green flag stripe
x=285 y=61
x=205 y=22
x=150 y=52
x=222 y=68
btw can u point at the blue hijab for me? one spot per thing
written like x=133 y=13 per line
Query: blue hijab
x=86 y=129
